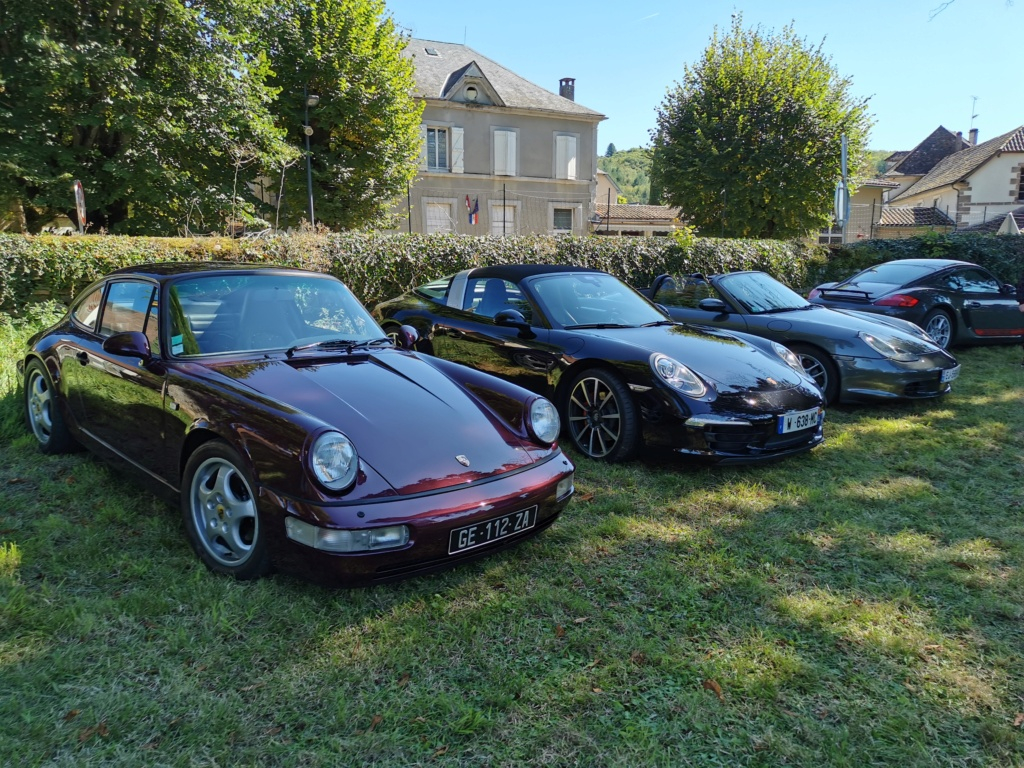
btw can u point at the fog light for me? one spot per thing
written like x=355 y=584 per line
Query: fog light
x=332 y=540
x=565 y=487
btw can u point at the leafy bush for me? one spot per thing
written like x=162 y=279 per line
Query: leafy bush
x=377 y=266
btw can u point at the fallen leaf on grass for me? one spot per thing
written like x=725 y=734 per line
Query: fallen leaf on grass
x=377 y=720
x=584 y=497
x=151 y=744
x=594 y=663
x=559 y=630
x=962 y=565
x=1018 y=721
x=273 y=731
x=638 y=657
x=72 y=714
x=440 y=751
x=100 y=730
x=16 y=480
x=580 y=620
x=404 y=680
x=70 y=480
x=597 y=690
x=714 y=687
x=252 y=687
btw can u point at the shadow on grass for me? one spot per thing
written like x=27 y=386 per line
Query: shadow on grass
x=859 y=603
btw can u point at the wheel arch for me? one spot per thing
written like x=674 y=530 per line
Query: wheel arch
x=561 y=393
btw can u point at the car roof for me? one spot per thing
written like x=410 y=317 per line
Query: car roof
x=517 y=272
x=935 y=264
x=165 y=269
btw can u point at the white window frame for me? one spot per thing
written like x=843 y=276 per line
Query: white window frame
x=453 y=216
x=509 y=164
x=577 y=218
x=569 y=168
x=493 y=205
x=450 y=132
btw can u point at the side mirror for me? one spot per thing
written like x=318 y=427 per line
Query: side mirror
x=128 y=344
x=407 y=337
x=713 y=305
x=513 y=318
x=1009 y=290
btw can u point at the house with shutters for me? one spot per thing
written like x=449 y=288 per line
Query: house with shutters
x=499 y=154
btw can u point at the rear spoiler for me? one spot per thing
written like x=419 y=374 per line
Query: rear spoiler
x=845 y=293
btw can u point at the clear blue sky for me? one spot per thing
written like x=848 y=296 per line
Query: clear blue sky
x=919 y=74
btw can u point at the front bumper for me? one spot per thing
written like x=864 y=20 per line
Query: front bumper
x=863 y=379
x=731 y=434
x=431 y=518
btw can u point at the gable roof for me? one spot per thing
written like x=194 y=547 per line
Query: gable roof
x=633 y=212
x=960 y=165
x=436 y=74
x=917 y=162
x=914 y=217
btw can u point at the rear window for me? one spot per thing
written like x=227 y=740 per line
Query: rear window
x=891 y=273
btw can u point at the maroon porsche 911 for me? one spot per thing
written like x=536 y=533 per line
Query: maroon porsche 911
x=293 y=430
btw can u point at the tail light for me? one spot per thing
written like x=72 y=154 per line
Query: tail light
x=897 y=300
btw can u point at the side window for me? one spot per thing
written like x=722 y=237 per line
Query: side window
x=487 y=296
x=88 y=309
x=153 y=327
x=127 y=308
x=688 y=295
x=976 y=281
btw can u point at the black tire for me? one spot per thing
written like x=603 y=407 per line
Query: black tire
x=820 y=367
x=939 y=325
x=222 y=521
x=43 y=415
x=601 y=416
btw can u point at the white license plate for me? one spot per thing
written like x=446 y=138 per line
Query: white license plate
x=496 y=528
x=797 y=420
x=949 y=374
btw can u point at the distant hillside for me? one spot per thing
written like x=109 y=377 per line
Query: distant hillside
x=631 y=170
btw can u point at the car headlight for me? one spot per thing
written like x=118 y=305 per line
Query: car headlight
x=543 y=421
x=790 y=358
x=677 y=375
x=334 y=461
x=900 y=350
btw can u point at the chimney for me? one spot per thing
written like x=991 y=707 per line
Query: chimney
x=974 y=137
x=567 y=88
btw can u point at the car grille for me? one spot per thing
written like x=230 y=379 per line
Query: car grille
x=924 y=389
x=755 y=439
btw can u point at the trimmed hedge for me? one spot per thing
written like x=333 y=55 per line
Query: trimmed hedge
x=378 y=266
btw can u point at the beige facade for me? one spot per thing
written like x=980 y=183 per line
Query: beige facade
x=522 y=158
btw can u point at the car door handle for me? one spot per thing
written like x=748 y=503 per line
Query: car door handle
x=82 y=357
x=972 y=304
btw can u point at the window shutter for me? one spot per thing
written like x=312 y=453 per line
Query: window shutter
x=565 y=157
x=511 y=160
x=457 y=151
x=504 y=153
x=423 y=147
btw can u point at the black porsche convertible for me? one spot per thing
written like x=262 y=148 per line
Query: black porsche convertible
x=620 y=370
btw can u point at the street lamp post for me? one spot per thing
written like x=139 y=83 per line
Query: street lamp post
x=310 y=100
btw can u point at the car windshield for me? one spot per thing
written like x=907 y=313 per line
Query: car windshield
x=758 y=293
x=592 y=300
x=890 y=273
x=217 y=313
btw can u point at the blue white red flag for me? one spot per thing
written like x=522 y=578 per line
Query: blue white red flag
x=474 y=212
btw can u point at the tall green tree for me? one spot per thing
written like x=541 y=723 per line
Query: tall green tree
x=748 y=143
x=365 y=139
x=152 y=104
x=610 y=151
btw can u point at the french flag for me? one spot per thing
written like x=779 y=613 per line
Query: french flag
x=474 y=209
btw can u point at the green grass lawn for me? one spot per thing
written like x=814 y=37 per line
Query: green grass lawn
x=860 y=605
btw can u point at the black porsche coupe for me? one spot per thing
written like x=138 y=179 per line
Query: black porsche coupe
x=620 y=370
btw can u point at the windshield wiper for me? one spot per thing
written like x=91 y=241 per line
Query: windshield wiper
x=597 y=325
x=348 y=345
x=658 y=322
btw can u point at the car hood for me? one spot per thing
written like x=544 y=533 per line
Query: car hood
x=407 y=420
x=830 y=323
x=732 y=364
